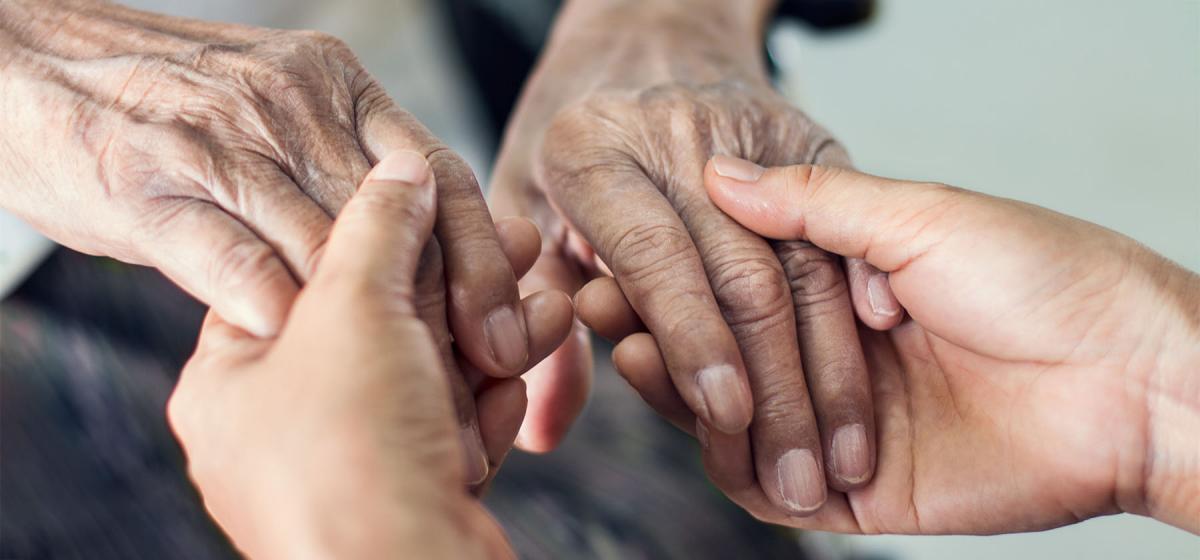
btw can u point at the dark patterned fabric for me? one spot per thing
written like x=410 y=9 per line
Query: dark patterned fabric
x=90 y=349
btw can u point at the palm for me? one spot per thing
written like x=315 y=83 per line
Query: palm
x=963 y=440
x=989 y=404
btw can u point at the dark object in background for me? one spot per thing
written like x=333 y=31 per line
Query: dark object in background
x=500 y=40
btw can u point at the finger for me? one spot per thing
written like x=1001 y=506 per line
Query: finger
x=558 y=386
x=834 y=366
x=521 y=243
x=288 y=219
x=604 y=309
x=220 y=261
x=639 y=361
x=652 y=256
x=485 y=316
x=431 y=309
x=871 y=292
x=550 y=316
x=501 y=407
x=378 y=239
x=748 y=281
x=841 y=211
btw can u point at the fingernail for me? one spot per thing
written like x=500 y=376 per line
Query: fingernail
x=725 y=397
x=737 y=169
x=702 y=434
x=880 y=296
x=404 y=166
x=800 y=481
x=505 y=338
x=851 y=458
x=475 y=457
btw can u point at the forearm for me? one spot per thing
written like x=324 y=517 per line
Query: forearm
x=638 y=43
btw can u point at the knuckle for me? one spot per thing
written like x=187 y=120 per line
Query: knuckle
x=751 y=290
x=813 y=275
x=326 y=41
x=799 y=177
x=243 y=263
x=596 y=122
x=784 y=402
x=840 y=377
x=650 y=251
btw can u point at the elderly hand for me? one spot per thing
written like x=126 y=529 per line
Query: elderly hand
x=1048 y=374
x=220 y=154
x=627 y=105
x=342 y=442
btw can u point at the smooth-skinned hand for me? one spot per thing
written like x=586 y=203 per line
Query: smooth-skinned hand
x=1047 y=375
x=343 y=442
x=606 y=153
x=221 y=154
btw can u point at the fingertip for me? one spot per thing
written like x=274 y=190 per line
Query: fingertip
x=875 y=304
x=521 y=242
x=755 y=197
x=549 y=316
x=602 y=306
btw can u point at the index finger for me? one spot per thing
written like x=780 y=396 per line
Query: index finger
x=484 y=303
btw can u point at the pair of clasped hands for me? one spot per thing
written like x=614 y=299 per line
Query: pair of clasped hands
x=853 y=353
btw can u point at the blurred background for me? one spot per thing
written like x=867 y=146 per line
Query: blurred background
x=1089 y=107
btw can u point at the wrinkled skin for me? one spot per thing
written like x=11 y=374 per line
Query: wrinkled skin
x=343 y=443
x=606 y=153
x=221 y=154
x=1047 y=376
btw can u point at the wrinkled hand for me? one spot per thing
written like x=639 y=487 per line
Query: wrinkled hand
x=341 y=443
x=739 y=321
x=1048 y=375
x=220 y=154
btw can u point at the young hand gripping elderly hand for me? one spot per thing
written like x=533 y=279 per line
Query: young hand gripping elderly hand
x=339 y=438
x=1048 y=374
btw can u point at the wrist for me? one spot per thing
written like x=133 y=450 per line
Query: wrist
x=1171 y=491
x=646 y=42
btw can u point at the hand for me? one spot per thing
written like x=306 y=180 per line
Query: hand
x=1048 y=374
x=220 y=154
x=626 y=120
x=341 y=443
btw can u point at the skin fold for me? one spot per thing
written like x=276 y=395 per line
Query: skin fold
x=1047 y=375
x=606 y=152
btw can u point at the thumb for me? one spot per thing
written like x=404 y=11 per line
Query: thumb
x=377 y=241
x=886 y=222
